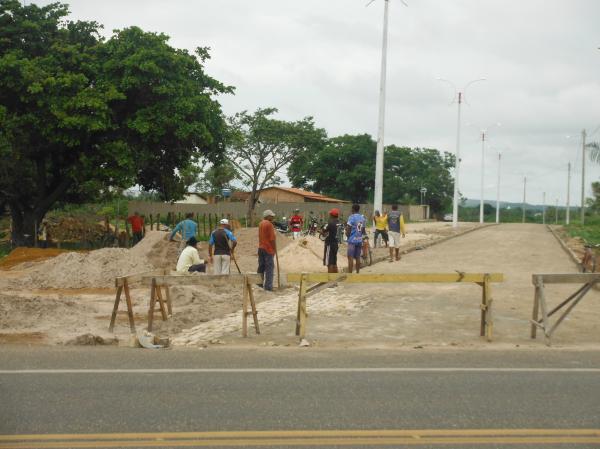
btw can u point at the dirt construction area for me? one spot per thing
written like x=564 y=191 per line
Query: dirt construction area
x=68 y=298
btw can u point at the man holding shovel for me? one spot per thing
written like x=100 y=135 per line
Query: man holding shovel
x=219 y=249
x=267 y=249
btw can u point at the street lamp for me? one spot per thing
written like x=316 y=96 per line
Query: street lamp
x=483 y=134
x=498 y=189
x=460 y=94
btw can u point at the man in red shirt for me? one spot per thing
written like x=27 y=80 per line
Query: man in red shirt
x=266 y=249
x=137 y=227
x=296 y=223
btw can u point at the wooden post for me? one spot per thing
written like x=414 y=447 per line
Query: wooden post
x=252 y=305
x=204 y=223
x=198 y=223
x=151 y=307
x=129 y=307
x=113 y=317
x=489 y=322
x=302 y=305
x=535 y=313
x=161 y=303
x=169 y=304
x=151 y=223
x=245 y=310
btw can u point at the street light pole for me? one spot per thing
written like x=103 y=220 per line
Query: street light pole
x=498 y=190
x=544 y=208
x=567 y=217
x=524 y=195
x=461 y=97
x=482 y=169
x=583 y=177
x=378 y=199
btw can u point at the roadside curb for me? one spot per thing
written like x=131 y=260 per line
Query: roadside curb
x=566 y=248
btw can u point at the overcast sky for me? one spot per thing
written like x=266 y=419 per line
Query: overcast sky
x=322 y=58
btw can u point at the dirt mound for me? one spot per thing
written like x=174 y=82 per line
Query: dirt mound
x=94 y=269
x=21 y=255
x=71 y=228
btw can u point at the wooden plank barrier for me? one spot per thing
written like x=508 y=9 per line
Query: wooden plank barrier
x=539 y=299
x=122 y=284
x=163 y=280
x=324 y=279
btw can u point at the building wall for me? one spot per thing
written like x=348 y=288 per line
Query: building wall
x=192 y=199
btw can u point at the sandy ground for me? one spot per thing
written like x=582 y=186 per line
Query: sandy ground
x=38 y=305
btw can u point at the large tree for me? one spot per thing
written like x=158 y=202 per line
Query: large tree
x=260 y=147
x=345 y=168
x=407 y=170
x=80 y=115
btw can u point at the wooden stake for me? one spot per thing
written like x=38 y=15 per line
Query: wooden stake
x=245 y=310
x=302 y=305
x=113 y=317
x=253 y=306
x=129 y=307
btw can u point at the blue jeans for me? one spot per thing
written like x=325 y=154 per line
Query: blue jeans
x=265 y=267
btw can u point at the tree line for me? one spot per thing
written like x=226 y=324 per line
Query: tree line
x=83 y=116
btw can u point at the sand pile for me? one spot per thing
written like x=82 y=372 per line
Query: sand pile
x=305 y=254
x=22 y=255
x=94 y=269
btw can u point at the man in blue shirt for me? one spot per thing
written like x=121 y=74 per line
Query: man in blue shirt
x=188 y=228
x=223 y=241
x=355 y=229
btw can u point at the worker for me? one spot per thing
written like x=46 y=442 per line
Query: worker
x=381 y=224
x=330 y=249
x=223 y=241
x=189 y=260
x=296 y=223
x=137 y=227
x=187 y=228
x=266 y=249
x=396 y=226
x=355 y=229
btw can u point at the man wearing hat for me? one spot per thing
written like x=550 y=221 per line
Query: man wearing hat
x=189 y=259
x=266 y=249
x=331 y=241
x=220 y=240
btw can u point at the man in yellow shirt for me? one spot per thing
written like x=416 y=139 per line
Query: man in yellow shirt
x=381 y=224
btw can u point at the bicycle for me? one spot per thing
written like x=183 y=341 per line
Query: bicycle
x=366 y=255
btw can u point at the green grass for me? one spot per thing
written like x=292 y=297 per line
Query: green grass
x=590 y=232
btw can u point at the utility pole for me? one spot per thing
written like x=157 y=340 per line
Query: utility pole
x=556 y=213
x=482 y=167
x=378 y=200
x=524 y=195
x=583 y=177
x=498 y=190
x=567 y=217
x=544 y=208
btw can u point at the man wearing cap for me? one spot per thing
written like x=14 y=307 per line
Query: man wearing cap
x=189 y=260
x=220 y=240
x=331 y=241
x=266 y=249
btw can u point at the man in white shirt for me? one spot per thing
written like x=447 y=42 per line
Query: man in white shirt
x=189 y=259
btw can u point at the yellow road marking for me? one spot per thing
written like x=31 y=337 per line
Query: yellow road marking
x=304 y=438
x=309 y=442
x=302 y=433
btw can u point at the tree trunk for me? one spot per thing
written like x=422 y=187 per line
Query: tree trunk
x=23 y=226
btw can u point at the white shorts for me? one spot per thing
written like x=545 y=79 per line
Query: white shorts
x=394 y=239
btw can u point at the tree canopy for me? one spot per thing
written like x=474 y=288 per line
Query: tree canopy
x=260 y=146
x=80 y=114
x=345 y=169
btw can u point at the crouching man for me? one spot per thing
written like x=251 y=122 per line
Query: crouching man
x=189 y=259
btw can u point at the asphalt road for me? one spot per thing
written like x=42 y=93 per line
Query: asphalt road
x=102 y=397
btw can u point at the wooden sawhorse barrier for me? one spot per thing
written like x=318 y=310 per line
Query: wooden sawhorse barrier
x=122 y=284
x=324 y=279
x=539 y=301
x=245 y=280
